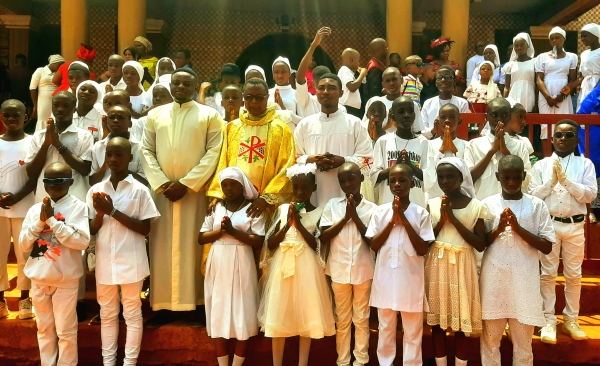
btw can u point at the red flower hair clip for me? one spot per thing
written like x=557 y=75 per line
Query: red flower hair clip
x=440 y=42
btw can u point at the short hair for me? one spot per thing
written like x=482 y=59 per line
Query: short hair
x=511 y=161
x=376 y=103
x=569 y=122
x=185 y=52
x=14 y=102
x=256 y=82
x=516 y=106
x=403 y=166
x=187 y=71
x=69 y=95
x=501 y=102
x=332 y=76
x=57 y=165
x=428 y=65
x=78 y=67
x=117 y=140
x=120 y=107
x=319 y=71
x=450 y=106
x=394 y=54
x=401 y=99
x=349 y=165
x=446 y=67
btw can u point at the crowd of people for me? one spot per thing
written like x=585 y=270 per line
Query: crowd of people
x=237 y=200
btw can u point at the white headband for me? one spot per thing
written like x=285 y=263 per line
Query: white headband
x=557 y=30
x=285 y=60
x=301 y=169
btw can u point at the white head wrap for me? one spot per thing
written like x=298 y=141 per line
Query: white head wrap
x=490 y=87
x=530 y=49
x=285 y=60
x=79 y=63
x=466 y=186
x=557 y=30
x=592 y=28
x=237 y=174
x=300 y=169
x=98 y=102
x=140 y=70
x=257 y=68
x=55 y=58
x=156 y=76
x=495 y=49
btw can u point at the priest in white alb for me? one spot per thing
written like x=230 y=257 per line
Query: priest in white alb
x=331 y=138
x=180 y=148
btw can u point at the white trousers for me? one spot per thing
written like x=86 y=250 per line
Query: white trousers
x=521 y=335
x=11 y=227
x=570 y=241
x=352 y=306
x=412 y=323
x=56 y=320
x=108 y=298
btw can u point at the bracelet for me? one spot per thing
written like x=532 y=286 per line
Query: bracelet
x=61 y=149
x=113 y=212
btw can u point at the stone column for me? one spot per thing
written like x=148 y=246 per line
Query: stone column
x=75 y=27
x=132 y=21
x=399 y=27
x=455 y=24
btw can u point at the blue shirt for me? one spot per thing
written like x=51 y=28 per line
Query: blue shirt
x=591 y=105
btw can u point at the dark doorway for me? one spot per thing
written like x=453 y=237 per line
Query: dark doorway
x=44 y=44
x=422 y=44
x=293 y=46
x=504 y=38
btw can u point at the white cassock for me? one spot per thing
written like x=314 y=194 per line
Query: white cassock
x=180 y=142
x=339 y=134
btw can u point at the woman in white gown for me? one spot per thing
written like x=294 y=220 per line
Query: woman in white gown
x=590 y=60
x=555 y=71
x=41 y=89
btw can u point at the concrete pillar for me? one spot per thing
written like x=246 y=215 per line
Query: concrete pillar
x=75 y=27
x=455 y=24
x=132 y=21
x=399 y=27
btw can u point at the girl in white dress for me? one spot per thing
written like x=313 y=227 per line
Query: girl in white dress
x=520 y=73
x=555 y=71
x=283 y=93
x=490 y=53
x=451 y=279
x=296 y=300
x=230 y=284
x=41 y=89
x=590 y=60
x=133 y=73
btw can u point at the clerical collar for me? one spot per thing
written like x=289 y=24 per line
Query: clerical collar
x=330 y=116
x=186 y=104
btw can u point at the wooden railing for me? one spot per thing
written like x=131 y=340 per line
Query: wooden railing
x=592 y=232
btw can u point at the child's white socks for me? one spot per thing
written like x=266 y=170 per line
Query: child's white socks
x=223 y=360
x=237 y=360
x=441 y=361
x=459 y=362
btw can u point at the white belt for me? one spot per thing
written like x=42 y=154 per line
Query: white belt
x=451 y=248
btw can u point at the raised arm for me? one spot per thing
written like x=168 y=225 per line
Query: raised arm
x=303 y=67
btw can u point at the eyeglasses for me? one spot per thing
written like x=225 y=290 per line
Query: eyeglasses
x=567 y=135
x=258 y=98
x=444 y=77
x=418 y=64
x=55 y=181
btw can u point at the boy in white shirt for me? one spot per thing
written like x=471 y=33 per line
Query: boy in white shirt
x=518 y=229
x=402 y=146
x=15 y=199
x=330 y=139
x=350 y=263
x=118 y=121
x=56 y=231
x=566 y=183
x=120 y=209
x=400 y=233
x=350 y=83
x=115 y=69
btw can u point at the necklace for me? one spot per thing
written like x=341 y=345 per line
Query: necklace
x=235 y=211
x=412 y=136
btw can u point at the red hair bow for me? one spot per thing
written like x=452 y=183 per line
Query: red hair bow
x=86 y=54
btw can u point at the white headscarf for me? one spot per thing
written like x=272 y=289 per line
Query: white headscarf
x=557 y=30
x=466 y=186
x=592 y=28
x=55 y=58
x=530 y=49
x=79 y=63
x=98 y=102
x=495 y=49
x=491 y=86
x=237 y=174
x=156 y=77
x=256 y=68
x=140 y=70
x=285 y=60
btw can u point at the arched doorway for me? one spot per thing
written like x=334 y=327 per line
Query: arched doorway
x=293 y=46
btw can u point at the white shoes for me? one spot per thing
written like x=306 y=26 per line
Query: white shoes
x=549 y=334
x=572 y=329
x=26 y=309
x=3 y=309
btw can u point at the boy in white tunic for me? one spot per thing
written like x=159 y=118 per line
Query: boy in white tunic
x=16 y=198
x=350 y=263
x=120 y=210
x=56 y=231
x=400 y=233
x=483 y=153
x=115 y=70
x=403 y=146
x=566 y=183
x=330 y=139
x=518 y=229
x=118 y=121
